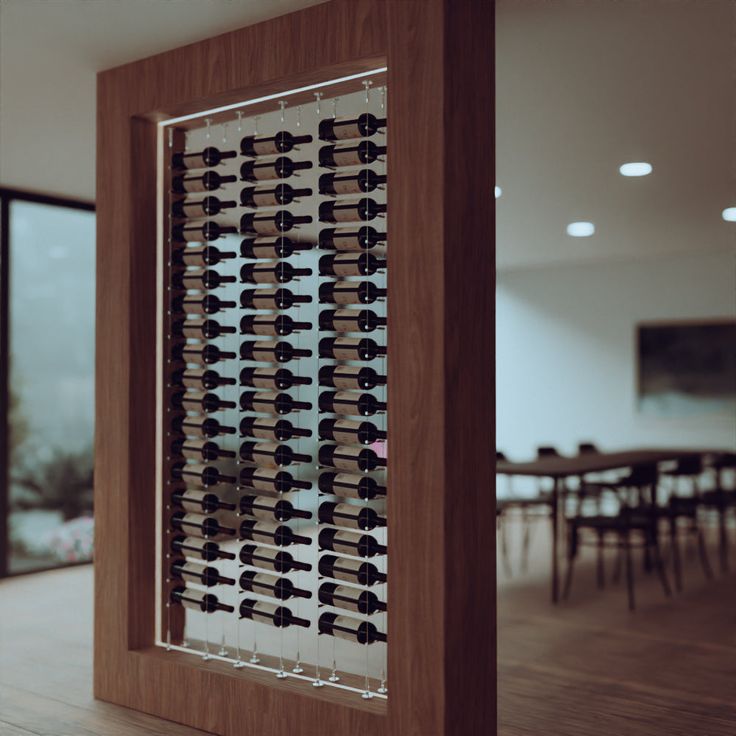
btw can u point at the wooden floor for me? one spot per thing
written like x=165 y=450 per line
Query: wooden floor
x=585 y=668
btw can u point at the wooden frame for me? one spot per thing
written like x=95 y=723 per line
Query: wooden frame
x=441 y=432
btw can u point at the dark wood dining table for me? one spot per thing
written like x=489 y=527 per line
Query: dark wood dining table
x=560 y=468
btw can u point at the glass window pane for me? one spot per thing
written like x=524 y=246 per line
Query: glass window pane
x=51 y=357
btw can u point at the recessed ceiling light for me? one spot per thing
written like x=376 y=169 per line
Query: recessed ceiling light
x=580 y=229
x=497 y=191
x=729 y=214
x=636 y=168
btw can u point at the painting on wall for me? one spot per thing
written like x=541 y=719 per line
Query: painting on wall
x=687 y=368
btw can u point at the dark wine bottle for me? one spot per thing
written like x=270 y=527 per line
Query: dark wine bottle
x=200 y=304
x=350 y=543
x=350 y=292
x=350 y=154
x=351 y=571
x=198 y=600
x=200 y=278
x=271 y=429
x=266 y=145
x=200 y=379
x=280 y=378
x=268 y=479
x=195 y=572
x=271 y=402
x=202 y=401
x=204 y=232
x=205 y=526
x=199 y=449
x=351 y=403
x=272 y=351
x=271 y=299
x=211 y=156
x=344 y=457
x=281 y=246
x=271 y=509
x=271 y=195
x=200 y=426
x=202 y=354
x=348 y=515
x=200 y=256
x=271 y=272
x=201 y=502
x=349 y=628
x=282 y=168
x=271 y=324
x=201 y=548
x=350 y=264
x=280 y=588
x=207 y=182
x=348 y=485
x=350 y=238
x=271 y=455
x=338 y=129
x=350 y=320
x=350 y=599
x=207 y=207
x=350 y=348
x=207 y=475
x=276 y=534
x=267 y=613
x=350 y=376
x=352 y=210
x=365 y=180
x=272 y=224
x=348 y=432
x=207 y=329
x=271 y=559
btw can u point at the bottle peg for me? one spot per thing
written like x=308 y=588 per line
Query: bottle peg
x=282 y=106
x=208 y=122
x=299 y=116
x=240 y=121
x=171 y=137
x=367 y=87
x=318 y=99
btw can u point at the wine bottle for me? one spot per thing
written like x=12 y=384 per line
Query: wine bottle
x=351 y=154
x=268 y=479
x=351 y=571
x=348 y=432
x=272 y=351
x=199 y=449
x=206 y=255
x=192 y=499
x=271 y=429
x=200 y=379
x=200 y=426
x=271 y=224
x=350 y=264
x=348 y=515
x=282 y=168
x=202 y=548
x=271 y=455
x=267 y=613
x=265 y=145
x=280 y=378
x=211 y=156
x=207 y=182
x=202 y=354
x=203 y=232
x=351 y=403
x=344 y=457
x=200 y=304
x=350 y=376
x=271 y=559
x=281 y=246
x=349 y=485
x=365 y=180
x=200 y=278
x=350 y=348
x=205 y=526
x=271 y=402
x=350 y=543
x=350 y=239
x=342 y=210
x=271 y=509
x=272 y=324
x=271 y=272
x=350 y=320
x=337 y=129
x=207 y=329
x=349 y=628
x=280 y=298
x=198 y=600
x=202 y=401
x=271 y=195
x=195 y=572
x=207 y=475
x=350 y=292
x=280 y=588
x=350 y=599
x=276 y=534
x=207 y=207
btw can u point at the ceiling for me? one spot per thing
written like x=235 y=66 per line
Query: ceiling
x=582 y=86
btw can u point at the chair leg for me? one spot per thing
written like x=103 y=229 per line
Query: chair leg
x=675 y=547
x=572 y=553
x=703 y=552
x=525 y=539
x=600 y=566
x=659 y=565
x=504 y=546
x=626 y=542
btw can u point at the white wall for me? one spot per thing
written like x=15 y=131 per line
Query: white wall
x=566 y=365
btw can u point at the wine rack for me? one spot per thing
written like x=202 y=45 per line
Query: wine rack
x=273 y=545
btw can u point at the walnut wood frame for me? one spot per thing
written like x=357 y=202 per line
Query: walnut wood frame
x=441 y=421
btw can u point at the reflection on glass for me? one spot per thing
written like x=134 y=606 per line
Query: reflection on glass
x=51 y=394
